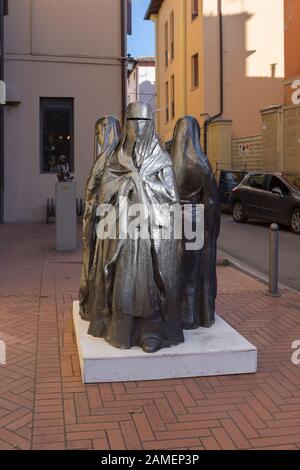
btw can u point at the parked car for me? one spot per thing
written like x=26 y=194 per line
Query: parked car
x=269 y=196
x=227 y=182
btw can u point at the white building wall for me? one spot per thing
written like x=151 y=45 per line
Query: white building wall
x=72 y=51
x=147 y=86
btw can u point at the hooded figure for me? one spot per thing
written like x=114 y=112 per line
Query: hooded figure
x=134 y=298
x=197 y=185
x=107 y=137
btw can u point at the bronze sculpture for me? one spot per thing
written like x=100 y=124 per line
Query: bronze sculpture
x=133 y=300
x=63 y=170
x=107 y=137
x=142 y=290
x=197 y=185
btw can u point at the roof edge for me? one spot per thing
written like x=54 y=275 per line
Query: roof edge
x=153 y=8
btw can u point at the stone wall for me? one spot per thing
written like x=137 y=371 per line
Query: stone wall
x=272 y=154
x=291 y=139
x=247 y=153
x=281 y=138
x=219 y=144
x=276 y=149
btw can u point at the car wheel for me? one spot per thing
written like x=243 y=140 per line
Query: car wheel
x=295 y=221
x=238 y=213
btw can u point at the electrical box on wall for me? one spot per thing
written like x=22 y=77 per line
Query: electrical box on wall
x=2 y=92
x=13 y=95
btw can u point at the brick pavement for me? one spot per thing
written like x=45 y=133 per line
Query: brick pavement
x=44 y=405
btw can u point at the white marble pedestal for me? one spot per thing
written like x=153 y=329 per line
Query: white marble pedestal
x=219 y=350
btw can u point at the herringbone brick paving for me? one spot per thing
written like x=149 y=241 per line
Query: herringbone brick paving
x=44 y=405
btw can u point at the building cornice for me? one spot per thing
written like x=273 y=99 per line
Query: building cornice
x=111 y=62
x=153 y=8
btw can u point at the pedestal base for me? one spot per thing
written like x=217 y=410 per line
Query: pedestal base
x=65 y=223
x=219 y=350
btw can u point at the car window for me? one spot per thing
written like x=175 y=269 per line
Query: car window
x=230 y=179
x=278 y=183
x=235 y=177
x=259 y=181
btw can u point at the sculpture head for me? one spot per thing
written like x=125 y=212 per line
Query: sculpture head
x=139 y=120
x=187 y=132
x=186 y=141
x=107 y=132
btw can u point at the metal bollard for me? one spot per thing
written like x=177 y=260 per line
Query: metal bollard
x=273 y=267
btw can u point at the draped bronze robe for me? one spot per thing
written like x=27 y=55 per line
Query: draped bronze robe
x=108 y=134
x=135 y=293
x=197 y=185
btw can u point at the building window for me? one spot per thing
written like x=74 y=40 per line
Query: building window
x=167 y=100
x=56 y=133
x=166 y=44
x=172 y=33
x=195 y=71
x=195 y=8
x=172 y=97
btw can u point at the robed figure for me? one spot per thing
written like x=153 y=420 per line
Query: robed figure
x=134 y=297
x=107 y=137
x=197 y=185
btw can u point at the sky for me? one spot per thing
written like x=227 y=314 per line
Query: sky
x=142 y=41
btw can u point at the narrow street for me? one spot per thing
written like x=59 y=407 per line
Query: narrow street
x=249 y=243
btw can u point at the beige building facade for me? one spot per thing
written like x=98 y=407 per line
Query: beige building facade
x=190 y=76
x=64 y=68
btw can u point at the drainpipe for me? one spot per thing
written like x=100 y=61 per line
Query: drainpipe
x=137 y=82
x=185 y=87
x=123 y=55
x=282 y=139
x=216 y=116
x=3 y=10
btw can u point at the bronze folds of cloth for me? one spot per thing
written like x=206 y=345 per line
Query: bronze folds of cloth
x=107 y=137
x=143 y=291
x=197 y=185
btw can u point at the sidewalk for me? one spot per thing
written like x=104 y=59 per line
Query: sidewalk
x=44 y=405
